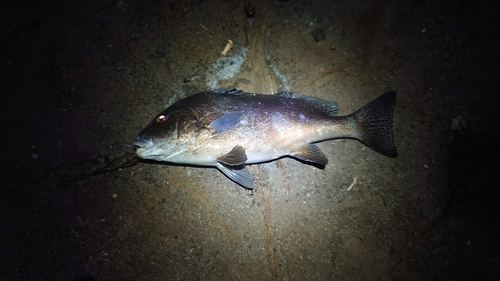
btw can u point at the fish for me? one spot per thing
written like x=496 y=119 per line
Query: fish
x=230 y=129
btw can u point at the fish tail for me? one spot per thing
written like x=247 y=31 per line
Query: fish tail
x=374 y=124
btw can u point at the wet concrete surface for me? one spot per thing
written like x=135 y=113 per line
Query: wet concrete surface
x=82 y=79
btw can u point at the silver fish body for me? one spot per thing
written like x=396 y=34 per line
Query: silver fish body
x=228 y=129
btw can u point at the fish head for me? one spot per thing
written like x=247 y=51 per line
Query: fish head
x=169 y=134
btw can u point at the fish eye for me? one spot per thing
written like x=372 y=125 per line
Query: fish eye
x=162 y=118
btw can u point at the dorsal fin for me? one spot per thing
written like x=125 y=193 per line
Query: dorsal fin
x=328 y=107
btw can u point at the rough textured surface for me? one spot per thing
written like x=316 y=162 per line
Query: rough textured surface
x=81 y=79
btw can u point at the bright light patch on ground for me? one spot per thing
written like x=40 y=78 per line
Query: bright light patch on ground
x=226 y=67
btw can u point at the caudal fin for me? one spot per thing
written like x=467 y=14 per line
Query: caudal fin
x=374 y=124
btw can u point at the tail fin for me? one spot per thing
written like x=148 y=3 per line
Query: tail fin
x=374 y=123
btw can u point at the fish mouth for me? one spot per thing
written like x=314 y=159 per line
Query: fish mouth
x=141 y=145
x=146 y=149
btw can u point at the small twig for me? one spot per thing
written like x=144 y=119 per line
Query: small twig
x=228 y=47
x=352 y=184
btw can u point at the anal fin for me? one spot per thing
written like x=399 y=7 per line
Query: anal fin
x=309 y=153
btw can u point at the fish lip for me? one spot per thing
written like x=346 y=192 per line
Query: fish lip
x=141 y=144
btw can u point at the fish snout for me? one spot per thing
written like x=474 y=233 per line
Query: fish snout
x=141 y=144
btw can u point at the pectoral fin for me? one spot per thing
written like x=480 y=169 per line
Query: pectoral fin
x=239 y=175
x=309 y=153
x=226 y=122
x=235 y=157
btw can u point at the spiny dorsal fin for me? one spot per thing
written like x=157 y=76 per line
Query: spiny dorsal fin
x=235 y=157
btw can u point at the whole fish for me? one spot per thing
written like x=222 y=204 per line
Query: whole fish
x=229 y=129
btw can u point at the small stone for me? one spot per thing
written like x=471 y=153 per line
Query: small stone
x=318 y=34
x=250 y=11
x=458 y=123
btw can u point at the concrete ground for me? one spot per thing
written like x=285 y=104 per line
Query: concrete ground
x=82 y=79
